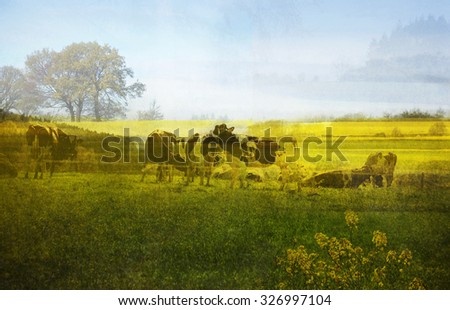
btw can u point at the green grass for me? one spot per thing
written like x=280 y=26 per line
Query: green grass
x=109 y=231
x=94 y=231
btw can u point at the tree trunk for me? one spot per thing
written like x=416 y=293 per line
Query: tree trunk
x=97 y=107
x=72 y=113
x=79 y=110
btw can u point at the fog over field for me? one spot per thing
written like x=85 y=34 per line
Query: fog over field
x=255 y=59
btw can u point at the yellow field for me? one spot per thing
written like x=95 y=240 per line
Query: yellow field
x=144 y=128
x=414 y=146
x=278 y=128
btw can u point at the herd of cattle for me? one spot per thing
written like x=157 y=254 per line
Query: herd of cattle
x=219 y=154
x=224 y=154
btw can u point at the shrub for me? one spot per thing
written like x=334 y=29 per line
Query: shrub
x=396 y=132
x=438 y=129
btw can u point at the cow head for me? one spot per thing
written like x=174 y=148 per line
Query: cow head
x=65 y=147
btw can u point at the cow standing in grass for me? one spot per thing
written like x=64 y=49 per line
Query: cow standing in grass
x=161 y=149
x=290 y=172
x=48 y=143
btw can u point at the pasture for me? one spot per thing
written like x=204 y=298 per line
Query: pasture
x=101 y=228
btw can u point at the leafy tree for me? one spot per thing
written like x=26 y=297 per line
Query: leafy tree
x=107 y=73
x=11 y=83
x=153 y=113
x=84 y=78
x=44 y=70
x=31 y=101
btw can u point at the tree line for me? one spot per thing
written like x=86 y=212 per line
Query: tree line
x=83 y=79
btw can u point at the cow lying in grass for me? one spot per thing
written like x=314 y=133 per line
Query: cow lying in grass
x=339 y=178
x=378 y=169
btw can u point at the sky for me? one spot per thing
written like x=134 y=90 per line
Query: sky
x=205 y=57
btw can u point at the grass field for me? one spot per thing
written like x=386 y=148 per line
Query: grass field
x=104 y=229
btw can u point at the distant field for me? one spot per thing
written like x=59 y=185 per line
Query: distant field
x=101 y=228
x=278 y=128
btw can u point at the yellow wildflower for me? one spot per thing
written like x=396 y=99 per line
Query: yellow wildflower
x=379 y=239
x=321 y=239
x=416 y=284
x=405 y=257
x=391 y=256
x=351 y=219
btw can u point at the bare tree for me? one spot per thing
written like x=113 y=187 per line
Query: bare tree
x=153 y=112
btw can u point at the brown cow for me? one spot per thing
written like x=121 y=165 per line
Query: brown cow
x=161 y=150
x=48 y=143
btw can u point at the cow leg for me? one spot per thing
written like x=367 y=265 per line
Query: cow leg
x=188 y=173
x=201 y=171
x=242 y=182
x=159 y=174
x=52 y=168
x=164 y=175
x=170 y=172
x=38 y=167
x=27 y=163
x=208 y=173
x=389 y=179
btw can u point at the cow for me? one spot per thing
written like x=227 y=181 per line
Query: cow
x=258 y=153
x=48 y=143
x=161 y=148
x=214 y=148
x=375 y=169
x=382 y=168
x=340 y=178
x=202 y=160
x=246 y=148
x=289 y=172
x=6 y=168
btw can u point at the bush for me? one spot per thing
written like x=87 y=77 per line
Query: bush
x=438 y=129
x=396 y=132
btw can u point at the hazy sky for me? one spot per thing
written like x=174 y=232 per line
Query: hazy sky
x=202 y=56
